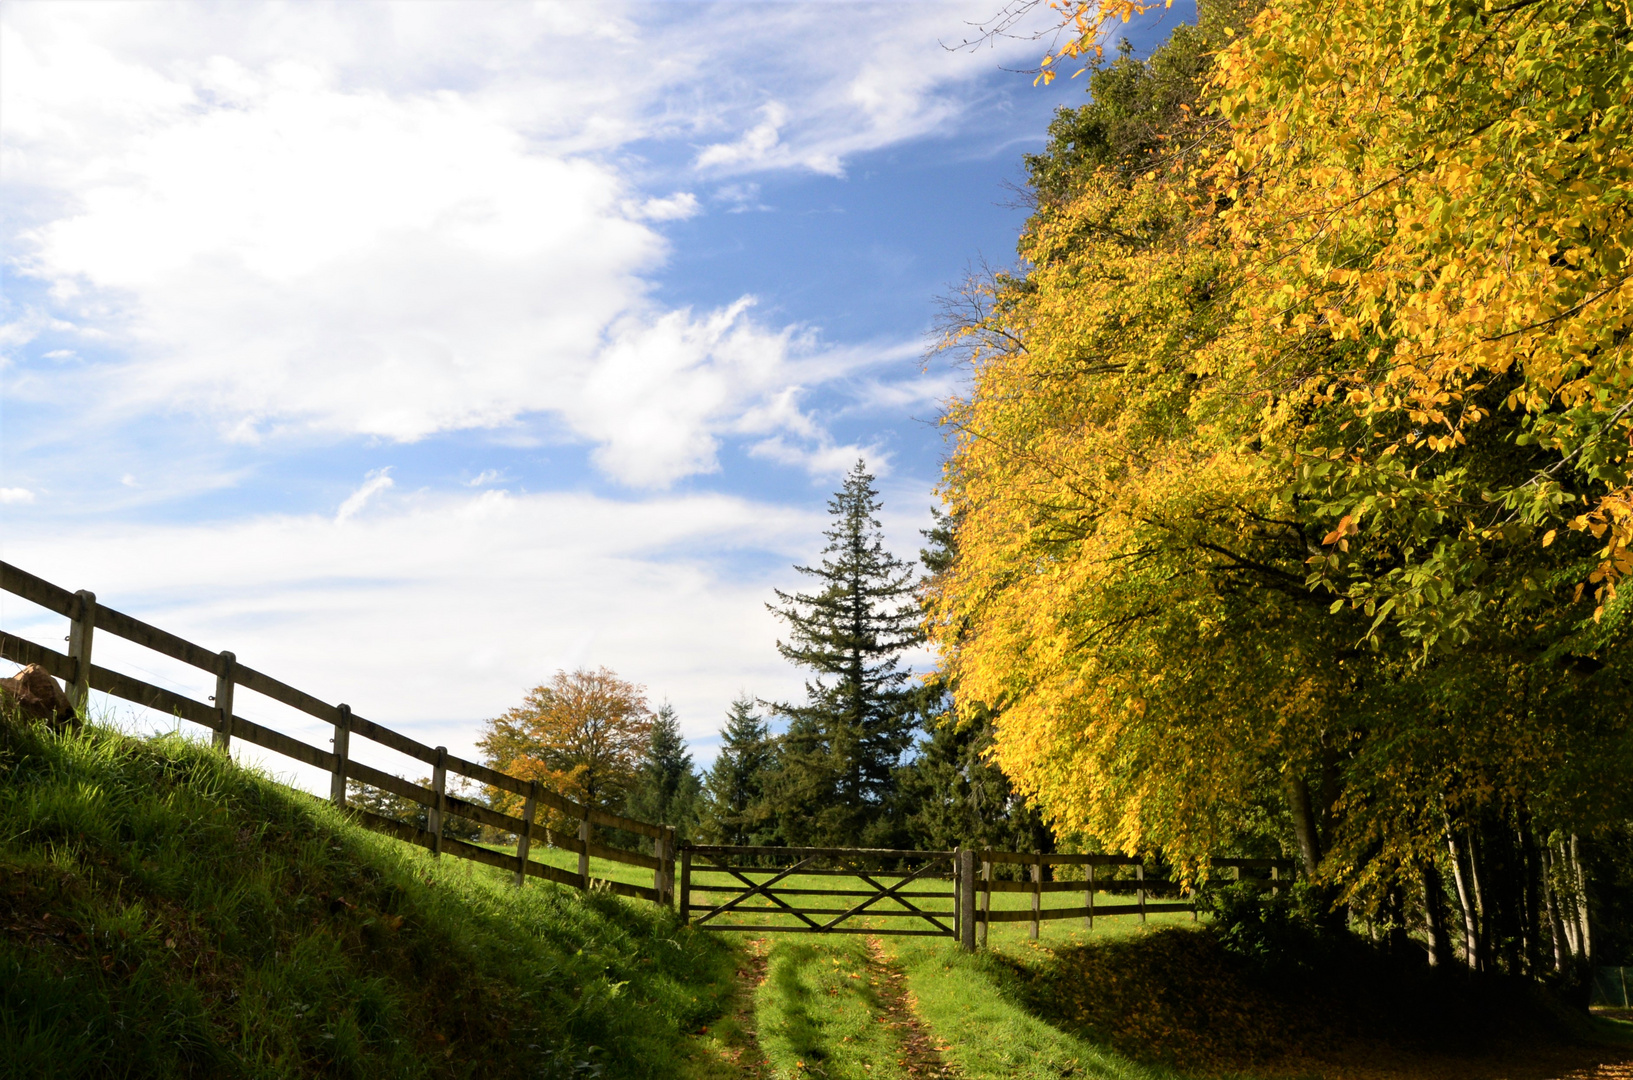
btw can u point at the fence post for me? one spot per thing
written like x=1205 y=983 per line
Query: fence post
x=584 y=850
x=1037 y=893
x=1139 y=875
x=669 y=867
x=223 y=700
x=524 y=839
x=986 y=894
x=439 y=786
x=343 y=738
x=80 y=632
x=660 y=848
x=1088 y=893
x=967 y=899
x=686 y=885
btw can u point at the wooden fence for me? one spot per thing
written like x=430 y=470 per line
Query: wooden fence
x=977 y=900
x=88 y=618
x=971 y=889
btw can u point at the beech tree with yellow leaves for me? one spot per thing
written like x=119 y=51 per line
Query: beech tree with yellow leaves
x=1287 y=484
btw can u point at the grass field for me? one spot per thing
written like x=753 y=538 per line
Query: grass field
x=164 y=912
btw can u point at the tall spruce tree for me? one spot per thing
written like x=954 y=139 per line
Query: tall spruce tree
x=733 y=807
x=834 y=783
x=667 y=788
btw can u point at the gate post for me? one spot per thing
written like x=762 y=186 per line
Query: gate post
x=966 y=899
x=986 y=894
x=584 y=849
x=663 y=878
x=1037 y=894
x=686 y=885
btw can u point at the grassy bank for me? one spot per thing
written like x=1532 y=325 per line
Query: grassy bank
x=164 y=912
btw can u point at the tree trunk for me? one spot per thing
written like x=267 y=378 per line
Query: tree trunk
x=1580 y=881
x=1471 y=934
x=1531 y=859
x=1304 y=823
x=1564 y=947
x=1395 y=908
x=1434 y=915
x=1482 y=938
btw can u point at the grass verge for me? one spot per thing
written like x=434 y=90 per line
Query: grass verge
x=822 y=1012
x=164 y=912
x=975 y=1003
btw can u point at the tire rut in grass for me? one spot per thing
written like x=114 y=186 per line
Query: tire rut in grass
x=735 y=1042
x=920 y=1048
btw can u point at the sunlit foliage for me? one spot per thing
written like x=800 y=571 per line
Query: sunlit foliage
x=1292 y=483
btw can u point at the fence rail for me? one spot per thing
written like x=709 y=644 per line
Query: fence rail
x=977 y=897
x=88 y=618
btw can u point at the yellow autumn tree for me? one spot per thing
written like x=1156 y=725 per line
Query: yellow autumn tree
x=1444 y=192
x=1219 y=573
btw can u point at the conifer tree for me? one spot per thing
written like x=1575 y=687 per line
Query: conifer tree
x=837 y=760
x=667 y=787
x=733 y=809
x=953 y=795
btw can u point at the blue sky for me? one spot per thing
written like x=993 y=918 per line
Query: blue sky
x=415 y=351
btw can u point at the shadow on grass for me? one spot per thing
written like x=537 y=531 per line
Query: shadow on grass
x=1177 y=998
x=822 y=1013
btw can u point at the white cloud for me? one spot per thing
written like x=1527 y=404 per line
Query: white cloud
x=740 y=198
x=402 y=240
x=823 y=459
x=485 y=477
x=329 y=245
x=9 y=495
x=665 y=388
x=677 y=207
x=761 y=147
x=377 y=481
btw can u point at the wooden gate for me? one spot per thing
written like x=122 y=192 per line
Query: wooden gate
x=792 y=890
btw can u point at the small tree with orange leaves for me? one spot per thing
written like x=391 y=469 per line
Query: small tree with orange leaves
x=583 y=735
